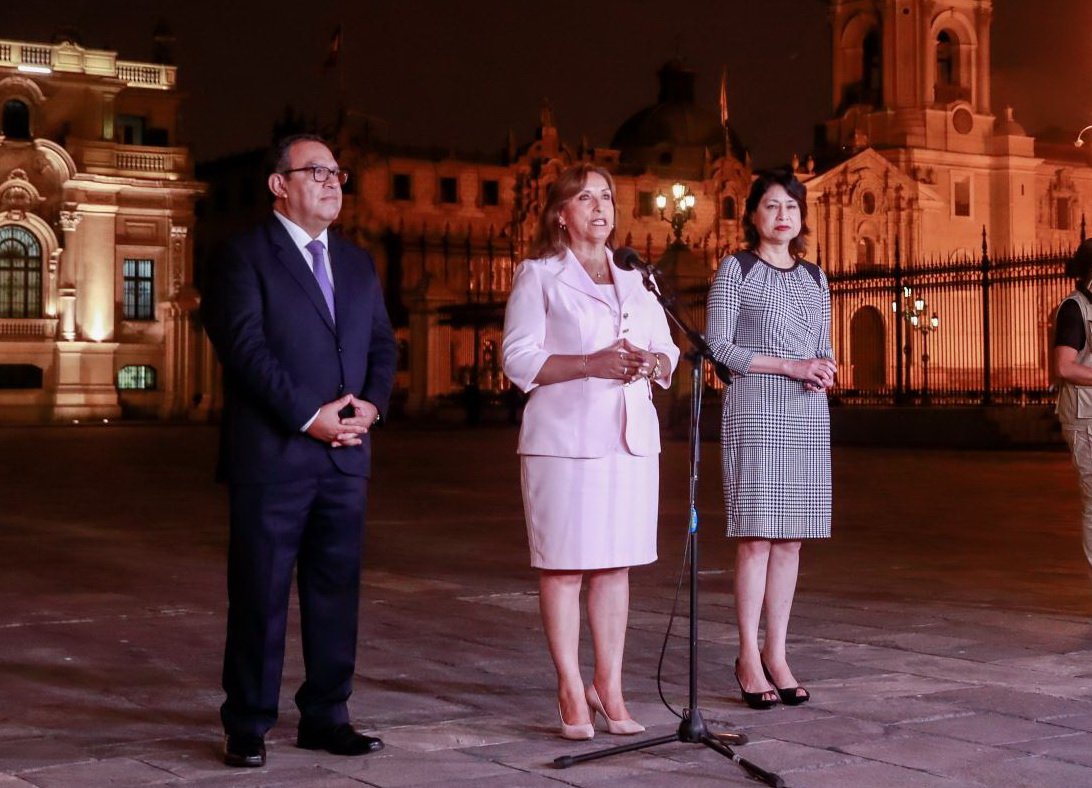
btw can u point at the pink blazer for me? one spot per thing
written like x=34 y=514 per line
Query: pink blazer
x=555 y=308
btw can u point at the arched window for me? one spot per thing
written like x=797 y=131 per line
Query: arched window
x=947 y=59
x=20 y=273
x=139 y=377
x=16 y=121
x=866 y=253
x=728 y=208
x=872 y=69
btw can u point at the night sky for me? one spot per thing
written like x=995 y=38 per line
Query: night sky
x=460 y=74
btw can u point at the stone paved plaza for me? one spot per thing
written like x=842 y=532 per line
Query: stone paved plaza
x=944 y=631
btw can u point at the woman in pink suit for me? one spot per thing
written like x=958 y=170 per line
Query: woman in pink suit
x=587 y=341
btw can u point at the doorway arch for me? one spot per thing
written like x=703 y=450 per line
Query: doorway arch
x=866 y=349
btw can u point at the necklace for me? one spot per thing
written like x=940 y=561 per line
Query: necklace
x=595 y=266
x=599 y=275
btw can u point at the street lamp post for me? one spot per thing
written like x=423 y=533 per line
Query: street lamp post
x=914 y=312
x=682 y=201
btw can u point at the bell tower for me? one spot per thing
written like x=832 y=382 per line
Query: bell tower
x=911 y=82
x=910 y=73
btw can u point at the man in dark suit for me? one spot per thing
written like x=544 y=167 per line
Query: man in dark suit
x=297 y=318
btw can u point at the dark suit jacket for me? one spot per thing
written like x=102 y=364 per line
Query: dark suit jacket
x=283 y=356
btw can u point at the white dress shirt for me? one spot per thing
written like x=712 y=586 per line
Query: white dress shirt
x=300 y=238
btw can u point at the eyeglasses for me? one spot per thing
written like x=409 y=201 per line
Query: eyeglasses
x=322 y=174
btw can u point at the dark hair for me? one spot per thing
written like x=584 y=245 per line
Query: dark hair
x=764 y=180
x=279 y=154
x=1079 y=266
x=550 y=239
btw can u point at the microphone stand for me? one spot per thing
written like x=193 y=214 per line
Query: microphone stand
x=692 y=729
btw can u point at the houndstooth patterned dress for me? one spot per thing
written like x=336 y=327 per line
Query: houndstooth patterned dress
x=775 y=435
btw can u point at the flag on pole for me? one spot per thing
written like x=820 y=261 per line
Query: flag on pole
x=724 y=96
x=333 y=52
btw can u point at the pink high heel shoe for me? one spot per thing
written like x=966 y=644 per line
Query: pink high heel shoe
x=617 y=727
x=580 y=732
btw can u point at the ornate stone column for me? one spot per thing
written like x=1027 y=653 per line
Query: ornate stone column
x=177 y=257
x=179 y=374
x=68 y=275
x=95 y=272
x=982 y=67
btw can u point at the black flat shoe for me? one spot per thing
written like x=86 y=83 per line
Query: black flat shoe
x=790 y=696
x=756 y=700
x=244 y=751
x=338 y=740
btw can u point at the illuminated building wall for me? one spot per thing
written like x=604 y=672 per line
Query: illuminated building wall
x=96 y=220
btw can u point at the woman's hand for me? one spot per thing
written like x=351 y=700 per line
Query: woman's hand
x=817 y=374
x=620 y=361
x=646 y=363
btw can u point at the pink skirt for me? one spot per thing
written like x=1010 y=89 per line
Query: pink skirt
x=598 y=513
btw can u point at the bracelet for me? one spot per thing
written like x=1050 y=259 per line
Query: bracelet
x=655 y=374
x=585 y=366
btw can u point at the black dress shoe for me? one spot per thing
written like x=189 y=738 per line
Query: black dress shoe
x=339 y=740
x=790 y=696
x=757 y=700
x=245 y=750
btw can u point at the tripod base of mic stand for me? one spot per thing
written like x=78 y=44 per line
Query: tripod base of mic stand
x=691 y=730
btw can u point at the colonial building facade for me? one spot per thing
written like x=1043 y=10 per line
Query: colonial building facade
x=96 y=230
x=915 y=182
x=447 y=230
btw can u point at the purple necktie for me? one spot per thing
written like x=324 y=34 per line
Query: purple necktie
x=318 y=255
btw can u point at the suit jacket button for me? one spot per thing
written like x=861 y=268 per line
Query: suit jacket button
x=625 y=314
x=339 y=348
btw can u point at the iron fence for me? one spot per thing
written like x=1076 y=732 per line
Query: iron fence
x=991 y=344
x=948 y=332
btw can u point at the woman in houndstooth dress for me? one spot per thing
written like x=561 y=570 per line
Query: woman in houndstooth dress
x=769 y=323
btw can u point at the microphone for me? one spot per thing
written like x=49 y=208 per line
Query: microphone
x=627 y=259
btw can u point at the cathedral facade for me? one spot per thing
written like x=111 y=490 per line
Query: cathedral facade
x=916 y=170
x=96 y=230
